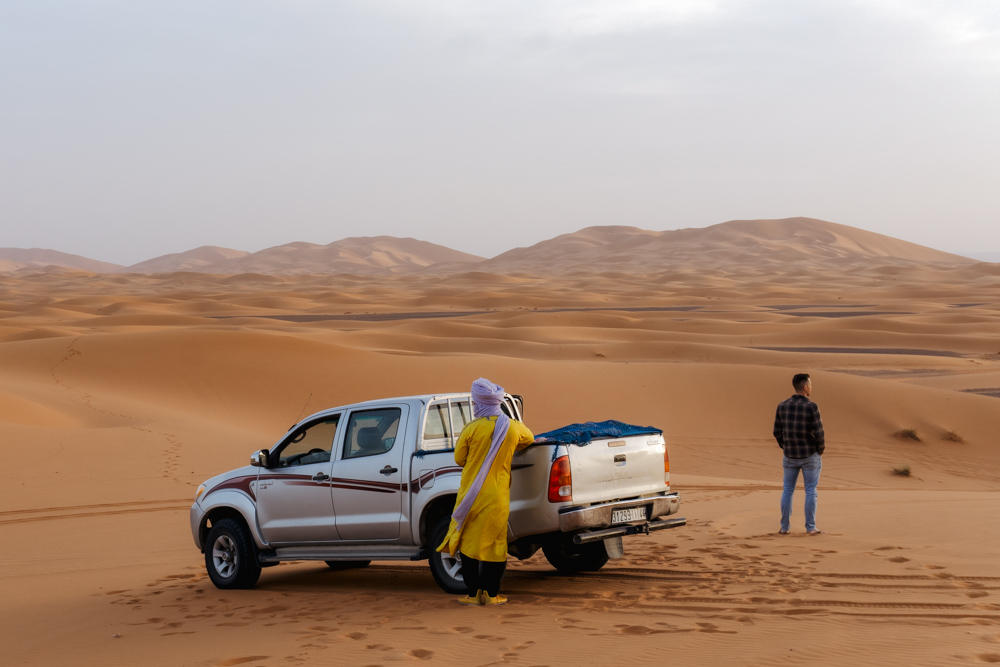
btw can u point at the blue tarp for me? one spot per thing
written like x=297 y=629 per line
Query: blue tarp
x=582 y=434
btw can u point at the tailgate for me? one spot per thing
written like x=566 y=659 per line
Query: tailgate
x=616 y=469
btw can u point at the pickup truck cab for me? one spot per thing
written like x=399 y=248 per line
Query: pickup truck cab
x=378 y=480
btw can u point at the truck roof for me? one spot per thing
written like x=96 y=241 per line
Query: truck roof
x=421 y=399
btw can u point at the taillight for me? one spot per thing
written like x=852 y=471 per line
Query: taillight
x=560 y=481
x=666 y=467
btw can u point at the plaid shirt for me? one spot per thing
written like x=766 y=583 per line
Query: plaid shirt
x=798 y=428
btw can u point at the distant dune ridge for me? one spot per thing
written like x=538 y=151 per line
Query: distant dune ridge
x=734 y=242
x=16 y=259
x=192 y=260
x=363 y=255
x=761 y=243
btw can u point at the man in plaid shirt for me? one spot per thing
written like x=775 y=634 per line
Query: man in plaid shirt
x=799 y=432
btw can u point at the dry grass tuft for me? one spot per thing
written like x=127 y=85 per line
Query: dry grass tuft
x=902 y=471
x=907 y=434
x=951 y=436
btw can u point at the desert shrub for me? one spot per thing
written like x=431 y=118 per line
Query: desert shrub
x=908 y=434
x=902 y=471
x=951 y=436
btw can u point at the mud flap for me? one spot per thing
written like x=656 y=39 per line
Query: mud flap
x=614 y=547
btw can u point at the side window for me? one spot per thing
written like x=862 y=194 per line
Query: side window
x=371 y=432
x=311 y=443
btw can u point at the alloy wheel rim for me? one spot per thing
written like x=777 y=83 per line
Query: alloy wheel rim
x=452 y=565
x=224 y=556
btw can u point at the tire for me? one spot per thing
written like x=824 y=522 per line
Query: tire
x=570 y=558
x=347 y=564
x=230 y=556
x=446 y=569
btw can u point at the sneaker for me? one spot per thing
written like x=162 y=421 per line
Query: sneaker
x=782 y=532
x=815 y=531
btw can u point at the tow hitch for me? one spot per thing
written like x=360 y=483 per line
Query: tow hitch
x=621 y=531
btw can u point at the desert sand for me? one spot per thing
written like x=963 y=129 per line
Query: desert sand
x=120 y=393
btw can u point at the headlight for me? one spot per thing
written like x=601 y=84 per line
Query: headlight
x=201 y=490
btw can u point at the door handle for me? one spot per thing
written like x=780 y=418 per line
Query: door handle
x=320 y=477
x=388 y=470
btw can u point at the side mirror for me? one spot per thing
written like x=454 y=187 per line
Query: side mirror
x=261 y=459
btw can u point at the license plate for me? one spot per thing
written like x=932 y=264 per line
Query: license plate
x=627 y=515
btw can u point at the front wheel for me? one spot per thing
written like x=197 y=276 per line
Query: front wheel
x=571 y=558
x=230 y=557
x=446 y=569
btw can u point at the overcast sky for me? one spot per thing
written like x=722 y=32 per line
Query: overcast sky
x=131 y=129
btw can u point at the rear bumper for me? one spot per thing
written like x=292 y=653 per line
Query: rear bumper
x=598 y=517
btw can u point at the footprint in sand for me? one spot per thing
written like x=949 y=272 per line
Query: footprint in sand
x=637 y=630
x=272 y=610
x=712 y=627
x=356 y=635
x=420 y=653
x=899 y=559
x=988 y=657
x=241 y=661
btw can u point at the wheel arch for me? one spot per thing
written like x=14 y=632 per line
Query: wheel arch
x=227 y=511
x=440 y=507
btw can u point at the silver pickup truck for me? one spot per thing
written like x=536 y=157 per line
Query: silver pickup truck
x=377 y=481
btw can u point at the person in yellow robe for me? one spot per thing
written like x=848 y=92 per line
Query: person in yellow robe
x=478 y=529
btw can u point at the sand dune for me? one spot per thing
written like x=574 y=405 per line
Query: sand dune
x=122 y=392
x=353 y=255
x=608 y=252
x=770 y=243
x=191 y=260
x=17 y=259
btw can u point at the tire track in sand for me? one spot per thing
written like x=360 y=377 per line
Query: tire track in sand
x=84 y=511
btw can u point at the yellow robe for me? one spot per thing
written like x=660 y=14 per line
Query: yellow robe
x=484 y=534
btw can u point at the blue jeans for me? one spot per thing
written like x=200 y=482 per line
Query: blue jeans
x=810 y=468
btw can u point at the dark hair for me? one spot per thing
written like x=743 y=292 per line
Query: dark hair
x=800 y=380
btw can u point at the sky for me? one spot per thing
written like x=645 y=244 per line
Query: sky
x=131 y=129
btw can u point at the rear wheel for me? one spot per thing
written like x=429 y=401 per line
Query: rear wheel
x=571 y=558
x=446 y=569
x=347 y=564
x=230 y=557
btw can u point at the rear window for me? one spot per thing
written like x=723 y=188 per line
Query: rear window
x=444 y=422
